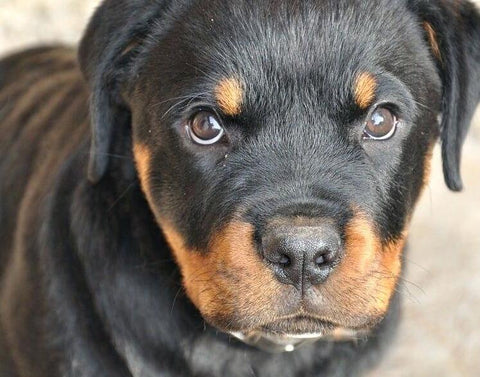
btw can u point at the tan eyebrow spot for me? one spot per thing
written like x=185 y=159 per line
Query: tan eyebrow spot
x=432 y=39
x=365 y=87
x=229 y=95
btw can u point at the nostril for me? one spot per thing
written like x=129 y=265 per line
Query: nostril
x=324 y=257
x=280 y=259
x=284 y=260
x=320 y=260
x=277 y=251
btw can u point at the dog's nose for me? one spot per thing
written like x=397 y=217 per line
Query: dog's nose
x=302 y=255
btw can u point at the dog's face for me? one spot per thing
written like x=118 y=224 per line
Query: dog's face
x=271 y=144
x=281 y=147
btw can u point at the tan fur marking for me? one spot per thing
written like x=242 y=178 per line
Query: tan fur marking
x=432 y=38
x=365 y=88
x=142 y=158
x=361 y=244
x=365 y=280
x=230 y=283
x=230 y=280
x=229 y=95
x=391 y=267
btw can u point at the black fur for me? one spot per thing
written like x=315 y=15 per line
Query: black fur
x=88 y=284
x=458 y=29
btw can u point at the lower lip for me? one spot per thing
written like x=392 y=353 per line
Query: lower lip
x=305 y=327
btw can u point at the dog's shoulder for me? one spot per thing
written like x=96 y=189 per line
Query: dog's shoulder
x=33 y=65
x=43 y=118
x=44 y=104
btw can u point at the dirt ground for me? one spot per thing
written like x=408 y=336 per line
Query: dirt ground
x=440 y=332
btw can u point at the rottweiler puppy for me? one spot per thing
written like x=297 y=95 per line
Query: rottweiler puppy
x=223 y=188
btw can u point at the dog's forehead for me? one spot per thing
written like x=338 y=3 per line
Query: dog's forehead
x=301 y=37
x=291 y=51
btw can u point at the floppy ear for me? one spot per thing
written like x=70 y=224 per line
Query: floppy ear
x=106 y=50
x=452 y=29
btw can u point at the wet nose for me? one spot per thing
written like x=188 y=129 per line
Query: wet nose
x=302 y=255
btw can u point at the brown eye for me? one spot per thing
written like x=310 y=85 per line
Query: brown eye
x=381 y=124
x=205 y=129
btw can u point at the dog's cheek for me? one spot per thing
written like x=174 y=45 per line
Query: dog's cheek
x=228 y=283
x=198 y=270
x=363 y=284
x=143 y=156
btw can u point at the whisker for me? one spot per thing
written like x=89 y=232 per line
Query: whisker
x=175 y=300
x=424 y=106
x=171 y=99
x=119 y=156
x=181 y=101
x=122 y=195
x=410 y=261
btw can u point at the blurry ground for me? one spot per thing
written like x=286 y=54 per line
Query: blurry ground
x=440 y=332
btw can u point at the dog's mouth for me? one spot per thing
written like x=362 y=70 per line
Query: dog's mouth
x=288 y=334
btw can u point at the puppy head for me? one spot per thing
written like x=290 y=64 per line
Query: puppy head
x=282 y=147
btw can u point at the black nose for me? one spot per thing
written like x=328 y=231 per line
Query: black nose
x=302 y=255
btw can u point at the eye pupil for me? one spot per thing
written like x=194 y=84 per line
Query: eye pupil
x=381 y=125
x=205 y=128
